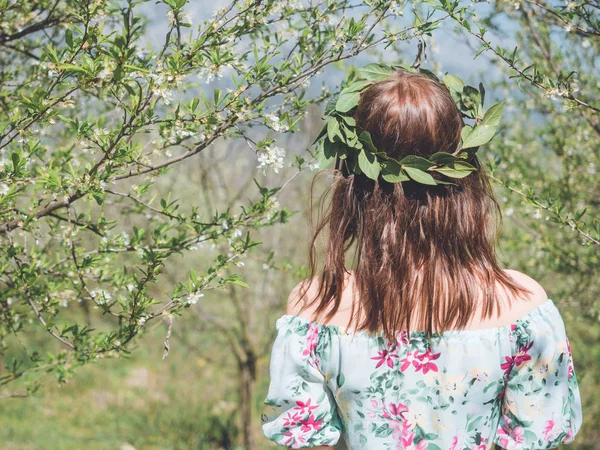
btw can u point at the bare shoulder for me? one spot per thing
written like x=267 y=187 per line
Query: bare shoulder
x=537 y=296
x=303 y=293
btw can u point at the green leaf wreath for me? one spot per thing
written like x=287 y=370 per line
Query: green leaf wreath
x=341 y=138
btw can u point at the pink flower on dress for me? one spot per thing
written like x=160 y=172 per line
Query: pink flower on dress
x=479 y=447
x=290 y=419
x=424 y=361
x=396 y=411
x=406 y=361
x=311 y=424
x=571 y=369
x=294 y=435
x=312 y=337
x=301 y=406
x=568 y=437
x=402 y=338
x=549 y=428
x=522 y=355
x=396 y=427
x=517 y=360
x=508 y=435
x=454 y=443
x=386 y=356
x=372 y=413
x=407 y=439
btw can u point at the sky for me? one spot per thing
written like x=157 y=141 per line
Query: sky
x=449 y=48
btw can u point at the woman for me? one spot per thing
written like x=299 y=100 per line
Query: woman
x=428 y=343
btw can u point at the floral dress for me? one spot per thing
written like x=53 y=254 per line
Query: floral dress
x=513 y=386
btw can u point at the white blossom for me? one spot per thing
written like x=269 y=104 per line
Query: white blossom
x=125 y=238
x=276 y=124
x=271 y=157
x=397 y=8
x=193 y=298
x=101 y=296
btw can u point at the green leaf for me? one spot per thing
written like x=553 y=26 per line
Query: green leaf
x=485 y=131
x=417 y=162
x=392 y=172
x=322 y=133
x=466 y=130
x=493 y=115
x=368 y=164
x=471 y=99
x=330 y=107
x=420 y=176
x=69 y=37
x=459 y=169
x=375 y=72
x=443 y=158
x=455 y=85
x=333 y=149
x=347 y=101
x=365 y=138
x=349 y=120
x=333 y=129
x=357 y=86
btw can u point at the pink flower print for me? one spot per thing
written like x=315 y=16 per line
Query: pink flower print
x=302 y=406
x=508 y=435
x=396 y=427
x=311 y=424
x=507 y=365
x=396 y=411
x=424 y=361
x=290 y=420
x=568 y=437
x=570 y=369
x=454 y=443
x=479 y=447
x=311 y=339
x=511 y=337
x=522 y=355
x=517 y=360
x=386 y=356
x=402 y=338
x=372 y=413
x=407 y=361
x=407 y=435
x=294 y=435
x=407 y=439
x=548 y=429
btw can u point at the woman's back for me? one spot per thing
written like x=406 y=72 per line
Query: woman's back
x=491 y=363
x=511 y=385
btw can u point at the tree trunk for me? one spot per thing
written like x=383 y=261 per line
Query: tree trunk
x=247 y=380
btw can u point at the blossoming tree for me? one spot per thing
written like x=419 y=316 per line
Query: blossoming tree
x=93 y=116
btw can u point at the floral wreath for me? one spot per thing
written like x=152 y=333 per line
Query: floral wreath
x=341 y=138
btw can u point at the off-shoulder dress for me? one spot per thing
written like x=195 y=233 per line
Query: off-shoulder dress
x=513 y=386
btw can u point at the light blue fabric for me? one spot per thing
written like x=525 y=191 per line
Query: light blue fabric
x=514 y=386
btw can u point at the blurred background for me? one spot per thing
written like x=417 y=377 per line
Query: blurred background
x=194 y=377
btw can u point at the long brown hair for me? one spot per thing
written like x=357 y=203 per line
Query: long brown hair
x=422 y=254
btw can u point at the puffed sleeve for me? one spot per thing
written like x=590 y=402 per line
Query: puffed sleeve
x=299 y=410
x=541 y=408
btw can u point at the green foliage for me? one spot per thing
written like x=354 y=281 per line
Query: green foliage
x=342 y=138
